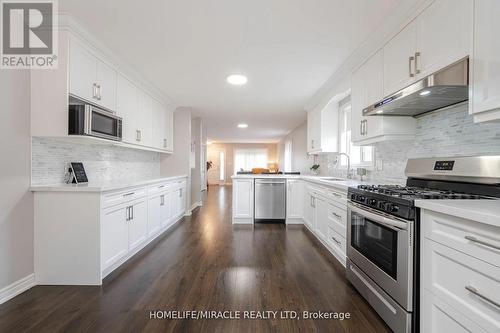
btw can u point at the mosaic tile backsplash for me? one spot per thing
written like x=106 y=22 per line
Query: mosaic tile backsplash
x=450 y=132
x=102 y=162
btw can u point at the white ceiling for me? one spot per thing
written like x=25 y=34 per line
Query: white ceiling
x=287 y=48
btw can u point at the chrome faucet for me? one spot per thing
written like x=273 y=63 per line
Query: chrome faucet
x=349 y=175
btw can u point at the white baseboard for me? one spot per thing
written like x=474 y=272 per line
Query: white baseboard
x=17 y=288
x=195 y=205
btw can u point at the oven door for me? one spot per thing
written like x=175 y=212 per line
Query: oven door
x=102 y=123
x=382 y=247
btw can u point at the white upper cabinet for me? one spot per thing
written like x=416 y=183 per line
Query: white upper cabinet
x=322 y=129
x=366 y=89
x=90 y=78
x=444 y=32
x=168 y=131
x=127 y=107
x=106 y=85
x=438 y=37
x=158 y=125
x=485 y=101
x=399 y=60
x=144 y=124
x=82 y=72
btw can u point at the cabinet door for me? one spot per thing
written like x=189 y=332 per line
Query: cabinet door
x=486 y=67
x=315 y=136
x=373 y=71
x=154 y=215
x=295 y=199
x=444 y=32
x=357 y=104
x=243 y=198
x=82 y=72
x=145 y=119
x=309 y=211
x=321 y=217
x=166 y=215
x=128 y=108
x=398 y=67
x=114 y=235
x=158 y=126
x=175 y=202
x=106 y=85
x=183 y=201
x=138 y=224
x=168 y=131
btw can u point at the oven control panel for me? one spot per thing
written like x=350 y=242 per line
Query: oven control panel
x=444 y=165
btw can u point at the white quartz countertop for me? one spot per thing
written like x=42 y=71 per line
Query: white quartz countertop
x=341 y=184
x=101 y=187
x=484 y=211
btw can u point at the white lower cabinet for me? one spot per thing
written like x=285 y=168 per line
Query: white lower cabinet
x=321 y=218
x=325 y=215
x=104 y=231
x=114 y=234
x=137 y=223
x=460 y=275
x=243 y=200
x=294 y=201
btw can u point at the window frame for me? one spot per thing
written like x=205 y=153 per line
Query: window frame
x=345 y=128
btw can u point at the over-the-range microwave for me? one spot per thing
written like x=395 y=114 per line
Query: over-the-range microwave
x=86 y=119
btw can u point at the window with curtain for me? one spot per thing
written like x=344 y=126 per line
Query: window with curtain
x=247 y=159
x=288 y=156
x=361 y=156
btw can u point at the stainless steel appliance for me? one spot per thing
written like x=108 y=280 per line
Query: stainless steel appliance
x=444 y=88
x=270 y=199
x=383 y=230
x=86 y=119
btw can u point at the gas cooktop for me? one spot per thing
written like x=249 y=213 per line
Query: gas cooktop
x=412 y=193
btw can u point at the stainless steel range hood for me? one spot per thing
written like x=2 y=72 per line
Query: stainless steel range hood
x=444 y=88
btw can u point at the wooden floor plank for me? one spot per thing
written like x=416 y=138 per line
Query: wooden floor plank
x=205 y=263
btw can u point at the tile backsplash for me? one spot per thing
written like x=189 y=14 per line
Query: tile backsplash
x=102 y=162
x=449 y=132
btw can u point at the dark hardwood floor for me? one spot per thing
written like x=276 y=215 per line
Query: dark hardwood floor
x=205 y=263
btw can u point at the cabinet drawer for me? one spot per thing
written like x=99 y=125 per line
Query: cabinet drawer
x=176 y=184
x=479 y=240
x=337 y=197
x=438 y=316
x=337 y=219
x=336 y=241
x=119 y=197
x=467 y=284
x=158 y=188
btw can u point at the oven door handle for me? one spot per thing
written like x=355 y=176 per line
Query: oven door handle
x=386 y=221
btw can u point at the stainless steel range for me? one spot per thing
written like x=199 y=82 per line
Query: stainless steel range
x=383 y=230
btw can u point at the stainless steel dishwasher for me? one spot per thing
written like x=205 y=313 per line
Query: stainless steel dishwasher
x=270 y=200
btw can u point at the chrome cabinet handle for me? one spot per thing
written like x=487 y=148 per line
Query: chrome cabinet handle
x=361 y=127
x=131 y=212
x=478 y=294
x=475 y=240
x=180 y=192
x=410 y=60
x=138 y=135
x=336 y=241
x=417 y=54
x=99 y=92
x=337 y=215
x=94 y=90
x=366 y=127
x=127 y=213
x=164 y=143
x=128 y=194
x=162 y=200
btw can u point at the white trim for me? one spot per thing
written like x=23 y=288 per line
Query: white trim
x=195 y=205
x=17 y=288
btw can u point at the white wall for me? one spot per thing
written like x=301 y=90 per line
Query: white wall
x=300 y=160
x=16 y=201
x=179 y=163
x=196 y=137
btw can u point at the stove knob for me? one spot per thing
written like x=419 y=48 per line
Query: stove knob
x=372 y=202
x=361 y=198
x=353 y=197
x=394 y=208
x=381 y=204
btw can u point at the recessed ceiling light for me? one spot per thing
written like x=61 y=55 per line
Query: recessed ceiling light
x=237 y=79
x=425 y=93
x=242 y=125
